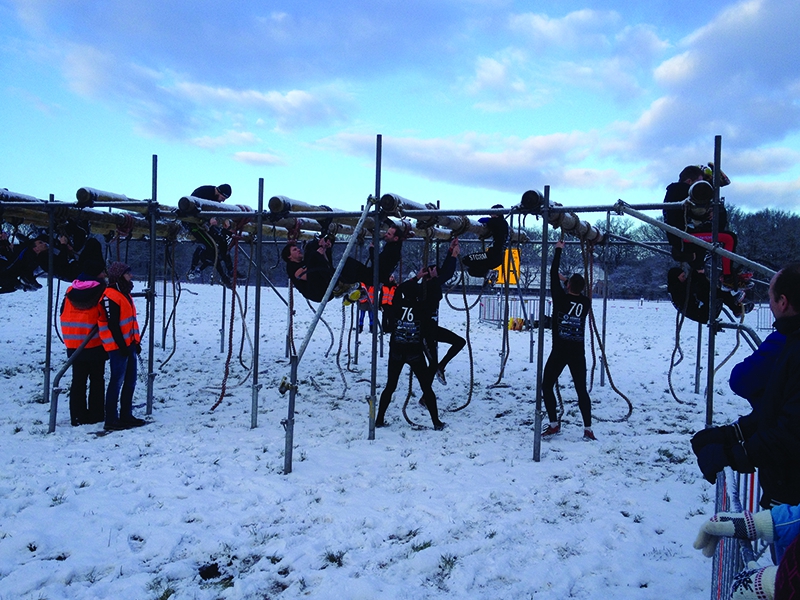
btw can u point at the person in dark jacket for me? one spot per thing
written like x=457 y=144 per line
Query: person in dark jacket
x=696 y=220
x=214 y=239
x=310 y=271
x=19 y=271
x=432 y=291
x=748 y=378
x=411 y=318
x=480 y=263
x=768 y=438
x=691 y=295
x=570 y=309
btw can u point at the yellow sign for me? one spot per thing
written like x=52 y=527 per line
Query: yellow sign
x=511 y=266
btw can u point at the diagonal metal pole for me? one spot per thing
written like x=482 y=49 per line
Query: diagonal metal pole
x=621 y=207
x=295 y=359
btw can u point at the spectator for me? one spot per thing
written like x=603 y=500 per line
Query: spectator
x=768 y=438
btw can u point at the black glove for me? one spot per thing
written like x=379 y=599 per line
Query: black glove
x=137 y=348
x=725 y=435
x=712 y=459
x=738 y=459
x=124 y=351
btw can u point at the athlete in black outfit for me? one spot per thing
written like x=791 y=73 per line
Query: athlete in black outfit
x=214 y=239
x=480 y=263
x=311 y=271
x=570 y=309
x=433 y=294
x=409 y=324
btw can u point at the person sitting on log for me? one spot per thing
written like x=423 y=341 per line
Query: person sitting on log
x=480 y=263
x=694 y=182
x=214 y=239
x=311 y=271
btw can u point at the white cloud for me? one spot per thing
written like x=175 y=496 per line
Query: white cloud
x=677 y=69
x=229 y=138
x=761 y=161
x=781 y=195
x=500 y=163
x=579 y=29
x=293 y=109
x=739 y=73
x=259 y=159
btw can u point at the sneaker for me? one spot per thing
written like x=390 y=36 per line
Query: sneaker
x=193 y=274
x=114 y=426
x=130 y=422
x=440 y=376
x=588 y=435
x=439 y=426
x=29 y=285
x=551 y=430
x=746 y=280
x=729 y=283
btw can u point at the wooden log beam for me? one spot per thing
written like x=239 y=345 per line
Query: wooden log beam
x=457 y=224
x=194 y=206
x=102 y=222
x=337 y=221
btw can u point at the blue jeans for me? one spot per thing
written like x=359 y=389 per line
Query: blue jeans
x=123 y=376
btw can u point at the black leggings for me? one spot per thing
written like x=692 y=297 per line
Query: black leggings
x=415 y=358
x=440 y=334
x=575 y=359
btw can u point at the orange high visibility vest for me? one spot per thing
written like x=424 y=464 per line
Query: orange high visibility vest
x=387 y=294
x=127 y=321
x=76 y=324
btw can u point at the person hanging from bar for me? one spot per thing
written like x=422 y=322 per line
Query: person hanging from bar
x=480 y=263
x=312 y=269
x=570 y=310
x=432 y=290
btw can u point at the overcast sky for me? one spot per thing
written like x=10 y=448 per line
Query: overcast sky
x=477 y=100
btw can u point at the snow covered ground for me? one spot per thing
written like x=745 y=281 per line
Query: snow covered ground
x=462 y=513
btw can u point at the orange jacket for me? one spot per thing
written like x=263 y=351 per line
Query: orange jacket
x=76 y=324
x=127 y=321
